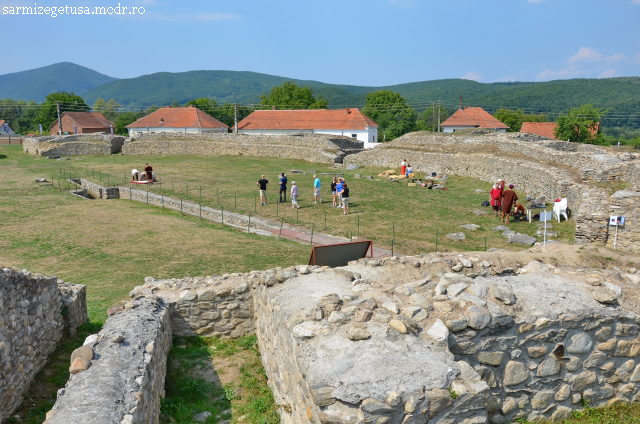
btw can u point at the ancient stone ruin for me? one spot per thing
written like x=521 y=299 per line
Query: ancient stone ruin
x=433 y=338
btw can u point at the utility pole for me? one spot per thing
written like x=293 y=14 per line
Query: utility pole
x=438 y=115
x=235 y=116
x=59 y=120
x=434 y=116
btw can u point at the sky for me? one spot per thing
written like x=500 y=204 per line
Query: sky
x=356 y=42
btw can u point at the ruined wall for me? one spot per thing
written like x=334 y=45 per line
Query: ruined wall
x=592 y=216
x=118 y=376
x=34 y=312
x=625 y=203
x=530 y=177
x=199 y=306
x=74 y=145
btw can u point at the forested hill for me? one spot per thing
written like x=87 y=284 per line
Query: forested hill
x=35 y=84
x=621 y=95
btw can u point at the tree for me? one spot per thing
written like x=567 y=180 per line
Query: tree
x=514 y=119
x=426 y=122
x=290 y=96
x=108 y=109
x=69 y=102
x=125 y=118
x=391 y=112
x=581 y=125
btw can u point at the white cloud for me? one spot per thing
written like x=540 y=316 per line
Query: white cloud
x=472 y=75
x=608 y=74
x=549 y=74
x=586 y=54
x=615 y=57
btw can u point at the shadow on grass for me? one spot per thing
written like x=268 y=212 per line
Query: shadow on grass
x=3 y=156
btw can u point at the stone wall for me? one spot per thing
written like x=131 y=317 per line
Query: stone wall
x=74 y=145
x=592 y=216
x=530 y=177
x=118 y=375
x=35 y=311
x=312 y=148
x=625 y=203
x=211 y=306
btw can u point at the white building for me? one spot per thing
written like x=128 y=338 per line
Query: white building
x=472 y=117
x=5 y=129
x=177 y=119
x=345 y=122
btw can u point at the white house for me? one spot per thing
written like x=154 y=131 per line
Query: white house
x=346 y=122
x=472 y=117
x=177 y=119
x=5 y=129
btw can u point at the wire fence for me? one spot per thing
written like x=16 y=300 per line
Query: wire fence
x=248 y=205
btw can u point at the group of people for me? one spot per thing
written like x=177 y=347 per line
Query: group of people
x=339 y=191
x=505 y=200
x=147 y=175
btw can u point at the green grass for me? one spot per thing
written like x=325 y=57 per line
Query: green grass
x=611 y=415
x=376 y=206
x=187 y=394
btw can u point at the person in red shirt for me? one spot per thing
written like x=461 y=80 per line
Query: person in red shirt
x=494 y=198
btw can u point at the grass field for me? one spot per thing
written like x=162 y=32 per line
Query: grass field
x=376 y=206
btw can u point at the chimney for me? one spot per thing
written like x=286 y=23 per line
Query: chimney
x=273 y=108
x=161 y=120
x=347 y=111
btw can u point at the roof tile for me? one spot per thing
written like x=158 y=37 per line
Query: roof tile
x=307 y=119
x=544 y=129
x=178 y=117
x=475 y=117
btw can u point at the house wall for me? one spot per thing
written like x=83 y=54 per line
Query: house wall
x=9 y=131
x=453 y=129
x=68 y=126
x=134 y=131
x=369 y=136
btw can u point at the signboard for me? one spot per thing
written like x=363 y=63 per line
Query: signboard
x=616 y=220
x=546 y=216
x=334 y=255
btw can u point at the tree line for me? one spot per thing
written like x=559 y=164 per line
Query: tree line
x=390 y=110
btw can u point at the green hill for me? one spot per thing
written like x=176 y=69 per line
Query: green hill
x=35 y=84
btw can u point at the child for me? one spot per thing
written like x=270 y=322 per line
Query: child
x=339 y=190
x=294 y=195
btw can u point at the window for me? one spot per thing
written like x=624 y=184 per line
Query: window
x=354 y=135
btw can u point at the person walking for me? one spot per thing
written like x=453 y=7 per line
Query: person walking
x=403 y=167
x=283 y=187
x=263 y=183
x=334 y=193
x=294 y=195
x=345 y=198
x=508 y=200
x=339 y=191
x=316 y=189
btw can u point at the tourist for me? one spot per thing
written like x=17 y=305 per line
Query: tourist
x=508 y=199
x=294 y=195
x=316 y=189
x=344 y=194
x=283 y=188
x=334 y=193
x=409 y=170
x=135 y=175
x=148 y=169
x=339 y=191
x=494 y=198
x=403 y=167
x=263 y=184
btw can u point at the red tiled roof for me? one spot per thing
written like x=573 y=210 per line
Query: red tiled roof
x=178 y=117
x=473 y=117
x=87 y=119
x=2 y=121
x=544 y=129
x=307 y=119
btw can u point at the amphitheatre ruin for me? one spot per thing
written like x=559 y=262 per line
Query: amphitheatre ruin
x=438 y=337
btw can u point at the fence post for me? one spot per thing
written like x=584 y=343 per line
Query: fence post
x=249 y=226
x=200 y=202
x=181 y=206
x=173 y=191
x=187 y=186
x=100 y=175
x=436 y=240
x=297 y=209
x=358 y=225
x=351 y=239
x=217 y=196
x=277 y=208
x=93 y=172
x=311 y=234
x=107 y=179
x=162 y=194
x=325 y=220
x=235 y=200
x=393 y=237
x=222 y=219
x=255 y=204
x=86 y=169
x=147 y=194
x=280 y=233
x=485 y=244
x=130 y=193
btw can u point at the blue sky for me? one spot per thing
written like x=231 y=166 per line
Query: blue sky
x=374 y=42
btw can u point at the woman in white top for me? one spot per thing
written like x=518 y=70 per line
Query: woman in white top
x=294 y=195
